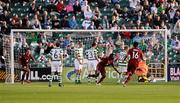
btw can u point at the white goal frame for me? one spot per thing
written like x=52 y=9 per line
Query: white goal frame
x=81 y=30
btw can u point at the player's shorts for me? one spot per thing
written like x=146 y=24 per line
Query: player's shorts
x=77 y=65
x=132 y=65
x=56 y=66
x=122 y=67
x=92 y=64
x=101 y=69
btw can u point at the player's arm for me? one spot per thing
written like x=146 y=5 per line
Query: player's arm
x=32 y=58
x=61 y=58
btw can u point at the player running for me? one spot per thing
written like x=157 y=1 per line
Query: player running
x=24 y=62
x=56 y=61
x=136 y=55
x=101 y=68
x=92 y=57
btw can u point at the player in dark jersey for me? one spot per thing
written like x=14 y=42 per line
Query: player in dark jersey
x=24 y=62
x=100 y=69
x=136 y=55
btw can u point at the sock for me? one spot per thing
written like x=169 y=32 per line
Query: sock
x=23 y=76
x=60 y=78
x=27 y=75
x=78 y=78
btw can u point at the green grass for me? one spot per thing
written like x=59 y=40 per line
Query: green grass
x=37 y=92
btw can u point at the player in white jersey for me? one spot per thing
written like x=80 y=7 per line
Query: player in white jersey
x=92 y=57
x=78 y=62
x=122 y=66
x=56 y=61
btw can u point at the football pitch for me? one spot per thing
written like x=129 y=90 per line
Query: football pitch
x=39 y=92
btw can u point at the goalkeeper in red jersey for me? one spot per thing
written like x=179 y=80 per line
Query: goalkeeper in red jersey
x=24 y=62
x=100 y=69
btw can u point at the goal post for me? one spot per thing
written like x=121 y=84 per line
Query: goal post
x=93 y=33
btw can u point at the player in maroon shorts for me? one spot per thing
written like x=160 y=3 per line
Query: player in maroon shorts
x=24 y=62
x=101 y=68
x=136 y=55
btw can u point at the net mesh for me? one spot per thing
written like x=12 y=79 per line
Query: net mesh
x=40 y=43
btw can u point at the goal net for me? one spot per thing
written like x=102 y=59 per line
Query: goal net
x=152 y=42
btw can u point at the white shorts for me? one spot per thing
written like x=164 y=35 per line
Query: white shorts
x=122 y=68
x=77 y=65
x=56 y=66
x=92 y=64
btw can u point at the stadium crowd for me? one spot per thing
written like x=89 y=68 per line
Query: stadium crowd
x=93 y=14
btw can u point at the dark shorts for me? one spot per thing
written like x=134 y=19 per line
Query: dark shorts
x=25 y=67
x=132 y=66
x=101 y=69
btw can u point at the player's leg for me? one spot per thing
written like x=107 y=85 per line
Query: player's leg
x=123 y=75
x=89 y=71
x=95 y=62
x=24 y=74
x=27 y=74
x=60 y=80
x=77 y=71
x=78 y=76
x=103 y=75
x=59 y=70
x=130 y=71
x=53 y=70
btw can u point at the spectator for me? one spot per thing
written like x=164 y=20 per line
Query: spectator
x=154 y=9
x=77 y=8
x=5 y=17
x=160 y=9
x=46 y=23
x=171 y=14
x=176 y=29
x=67 y=41
x=164 y=16
x=88 y=13
x=105 y=23
x=133 y=4
x=55 y=23
x=97 y=12
x=32 y=8
x=177 y=46
x=40 y=9
x=63 y=13
x=143 y=46
x=92 y=26
x=102 y=3
x=69 y=8
x=26 y=22
x=86 y=23
x=85 y=6
x=36 y=25
x=4 y=28
x=64 y=22
x=115 y=1
x=96 y=22
x=60 y=5
x=73 y=23
x=176 y=17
